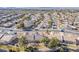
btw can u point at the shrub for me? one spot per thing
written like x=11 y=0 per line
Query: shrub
x=31 y=49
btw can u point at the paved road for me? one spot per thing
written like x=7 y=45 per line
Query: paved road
x=56 y=30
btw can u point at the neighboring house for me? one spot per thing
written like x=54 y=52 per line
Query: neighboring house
x=8 y=24
x=1 y=35
x=7 y=39
x=76 y=23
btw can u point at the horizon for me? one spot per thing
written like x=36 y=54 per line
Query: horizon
x=57 y=8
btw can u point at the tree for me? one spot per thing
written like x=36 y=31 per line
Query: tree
x=50 y=23
x=20 y=25
x=53 y=42
x=28 y=18
x=44 y=40
x=22 y=44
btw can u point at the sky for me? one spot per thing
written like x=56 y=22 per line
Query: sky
x=39 y=3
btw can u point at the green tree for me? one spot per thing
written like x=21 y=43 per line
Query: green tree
x=20 y=25
x=22 y=43
x=50 y=23
x=53 y=42
x=44 y=40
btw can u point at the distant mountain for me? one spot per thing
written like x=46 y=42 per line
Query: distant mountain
x=39 y=8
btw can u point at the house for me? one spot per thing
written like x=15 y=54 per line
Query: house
x=28 y=23
x=8 y=24
x=76 y=23
x=7 y=39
